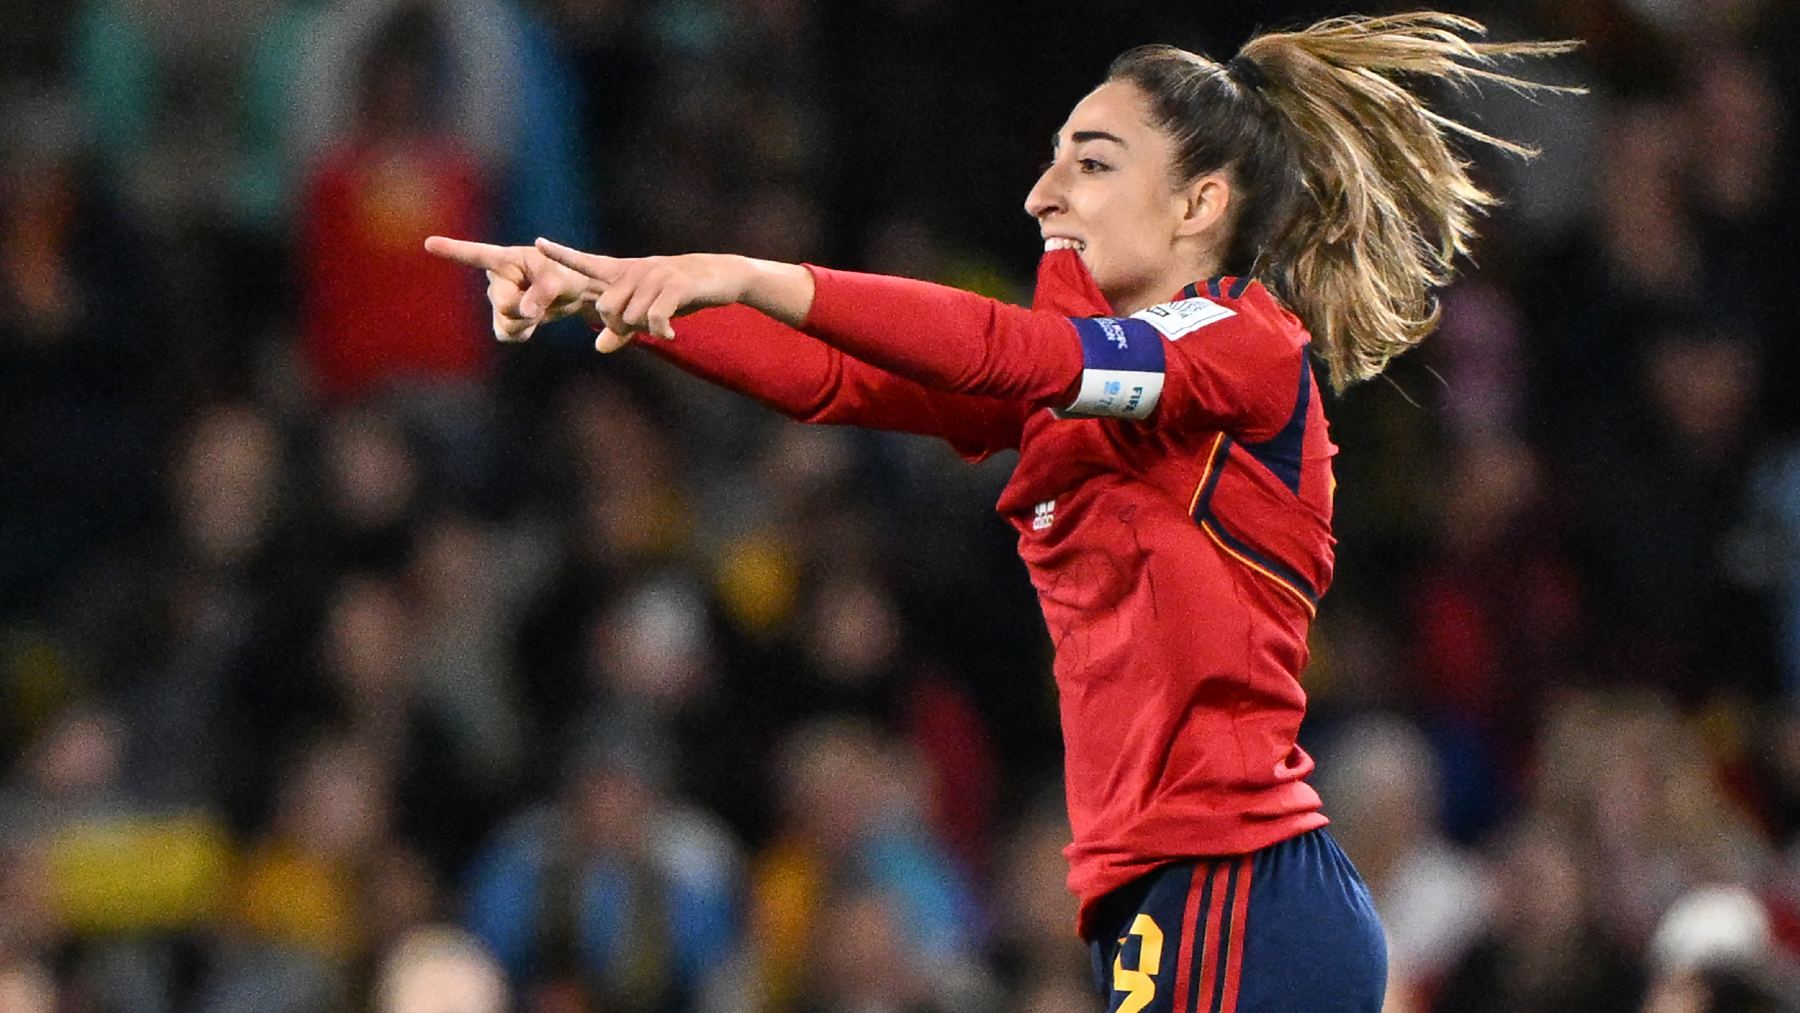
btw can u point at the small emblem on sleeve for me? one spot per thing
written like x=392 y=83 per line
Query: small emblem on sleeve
x=1114 y=333
x=1046 y=515
x=1178 y=319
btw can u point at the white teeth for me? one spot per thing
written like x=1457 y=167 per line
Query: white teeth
x=1061 y=243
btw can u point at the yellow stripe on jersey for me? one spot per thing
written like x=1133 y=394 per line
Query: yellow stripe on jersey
x=1212 y=458
x=1281 y=582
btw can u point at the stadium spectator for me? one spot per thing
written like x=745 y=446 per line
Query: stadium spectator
x=395 y=169
x=1434 y=898
x=1035 y=956
x=457 y=580
x=851 y=843
x=1544 y=949
x=439 y=970
x=294 y=911
x=1498 y=613
x=616 y=895
x=93 y=379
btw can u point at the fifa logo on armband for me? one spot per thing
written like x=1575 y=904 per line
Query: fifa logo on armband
x=1046 y=515
x=1114 y=332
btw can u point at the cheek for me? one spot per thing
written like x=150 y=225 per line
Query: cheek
x=1126 y=239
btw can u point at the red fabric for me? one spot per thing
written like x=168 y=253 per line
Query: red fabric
x=803 y=378
x=1190 y=928
x=375 y=307
x=1209 y=950
x=1177 y=654
x=1177 y=664
x=1240 y=914
x=945 y=338
x=947 y=729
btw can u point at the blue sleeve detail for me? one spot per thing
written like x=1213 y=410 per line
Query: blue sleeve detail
x=1281 y=452
x=1119 y=343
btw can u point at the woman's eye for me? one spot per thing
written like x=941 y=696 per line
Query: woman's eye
x=1093 y=165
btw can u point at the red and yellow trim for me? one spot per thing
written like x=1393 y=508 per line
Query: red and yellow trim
x=1200 y=508
x=1305 y=601
x=1214 y=460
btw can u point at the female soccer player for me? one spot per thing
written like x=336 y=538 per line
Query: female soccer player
x=1209 y=229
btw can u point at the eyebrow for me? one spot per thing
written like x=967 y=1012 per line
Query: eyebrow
x=1087 y=135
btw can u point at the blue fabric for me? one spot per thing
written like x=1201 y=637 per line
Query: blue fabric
x=1311 y=939
x=607 y=915
x=546 y=188
x=1119 y=343
x=506 y=905
x=938 y=907
x=704 y=916
x=1162 y=895
x=1281 y=452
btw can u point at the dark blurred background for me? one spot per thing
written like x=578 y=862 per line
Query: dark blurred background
x=350 y=661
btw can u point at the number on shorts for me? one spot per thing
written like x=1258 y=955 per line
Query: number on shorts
x=1139 y=983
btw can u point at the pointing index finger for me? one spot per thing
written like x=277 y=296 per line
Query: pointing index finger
x=601 y=269
x=470 y=254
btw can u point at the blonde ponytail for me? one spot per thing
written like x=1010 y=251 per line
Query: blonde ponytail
x=1354 y=201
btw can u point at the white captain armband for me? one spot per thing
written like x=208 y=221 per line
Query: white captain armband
x=1122 y=369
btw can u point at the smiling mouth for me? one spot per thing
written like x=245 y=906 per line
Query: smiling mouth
x=1062 y=243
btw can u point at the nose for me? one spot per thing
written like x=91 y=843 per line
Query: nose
x=1045 y=196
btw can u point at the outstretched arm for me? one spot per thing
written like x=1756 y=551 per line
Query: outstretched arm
x=805 y=379
x=746 y=351
x=1241 y=376
x=943 y=338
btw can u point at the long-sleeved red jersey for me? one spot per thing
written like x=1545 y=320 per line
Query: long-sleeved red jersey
x=1173 y=503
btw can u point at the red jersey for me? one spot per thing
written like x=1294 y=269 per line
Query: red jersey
x=374 y=307
x=1173 y=503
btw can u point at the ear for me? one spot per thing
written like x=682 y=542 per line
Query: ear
x=1205 y=203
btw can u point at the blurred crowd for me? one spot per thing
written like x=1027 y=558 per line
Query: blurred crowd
x=349 y=661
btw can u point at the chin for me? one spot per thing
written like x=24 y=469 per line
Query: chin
x=1113 y=287
x=1105 y=280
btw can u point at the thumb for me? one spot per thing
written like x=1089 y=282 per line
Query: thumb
x=609 y=341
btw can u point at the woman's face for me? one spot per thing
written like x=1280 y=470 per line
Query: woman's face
x=1110 y=193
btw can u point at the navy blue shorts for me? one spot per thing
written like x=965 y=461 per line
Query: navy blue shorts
x=1290 y=927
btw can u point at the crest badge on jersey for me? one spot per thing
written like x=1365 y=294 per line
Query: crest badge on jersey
x=1178 y=319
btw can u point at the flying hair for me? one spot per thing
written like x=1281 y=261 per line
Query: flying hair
x=1353 y=201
